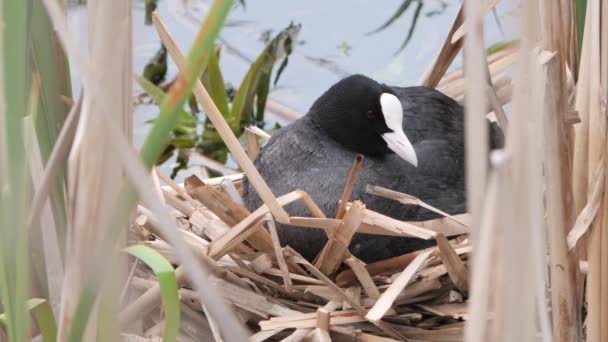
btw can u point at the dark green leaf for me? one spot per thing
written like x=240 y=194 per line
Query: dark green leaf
x=404 y=6
x=214 y=83
x=412 y=26
x=168 y=287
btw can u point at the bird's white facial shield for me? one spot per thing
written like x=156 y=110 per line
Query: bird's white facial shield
x=396 y=140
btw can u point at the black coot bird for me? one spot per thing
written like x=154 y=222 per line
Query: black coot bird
x=412 y=139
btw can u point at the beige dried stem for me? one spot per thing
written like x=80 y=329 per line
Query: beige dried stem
x=93 y=180
x=558 y=177
x=446 y=55
x=214 y=115
x=481 y=277
x=598 y=241
x=476 y=135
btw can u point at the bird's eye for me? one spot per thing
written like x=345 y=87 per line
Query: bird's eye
x=370 y=114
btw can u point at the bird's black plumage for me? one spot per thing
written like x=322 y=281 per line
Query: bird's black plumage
x=316 y=152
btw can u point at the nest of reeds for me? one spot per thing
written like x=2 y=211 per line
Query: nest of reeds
x=277 y=293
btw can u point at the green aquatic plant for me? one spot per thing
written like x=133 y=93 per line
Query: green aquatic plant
x=242 y=107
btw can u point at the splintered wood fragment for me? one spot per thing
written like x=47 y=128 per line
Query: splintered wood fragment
x=348 y=188
x=317 y=335
x=245 y=228
x=226 y=209
x=389 y=296
x=408 y=199
x=358 y=268
x=276 y=244
x=323 y=319
x=337 y=246
x=220 y=124
x=360 y=309
x=457 y=271
x=252 y=143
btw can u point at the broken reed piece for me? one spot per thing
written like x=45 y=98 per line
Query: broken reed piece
x=226 y=209
x=276 y=244
x=216 y=118
x=336 y=248
x=348 y=187
x=408 y=199
x=457 y=271
x=252 y=143
x=358 y=268
x=386 y=300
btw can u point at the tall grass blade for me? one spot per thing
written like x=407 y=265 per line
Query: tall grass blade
x=168 y=287
x=15 y=73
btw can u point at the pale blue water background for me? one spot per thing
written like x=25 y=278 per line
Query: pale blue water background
x=325 y=26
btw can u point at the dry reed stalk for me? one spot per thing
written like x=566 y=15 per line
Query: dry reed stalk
x=56 y=159
x=222 y=127
x=566 y=320
x=336 y=248
x=521 y=200
x=476 y=329
x=476 y=135
x=94 y=182
x=252 y=143
x=597 y=252
x=589 y=212
x=389 y=296
x=454 y=266
x=276 y=244
x=581 y=143
x=461 y=31
x=446 y=55
x=348 y=187
x=358 y=268
x=604 y=111
x=408 y=199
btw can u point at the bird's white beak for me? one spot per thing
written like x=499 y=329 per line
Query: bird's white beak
x=401 y=145
x=396 y=140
